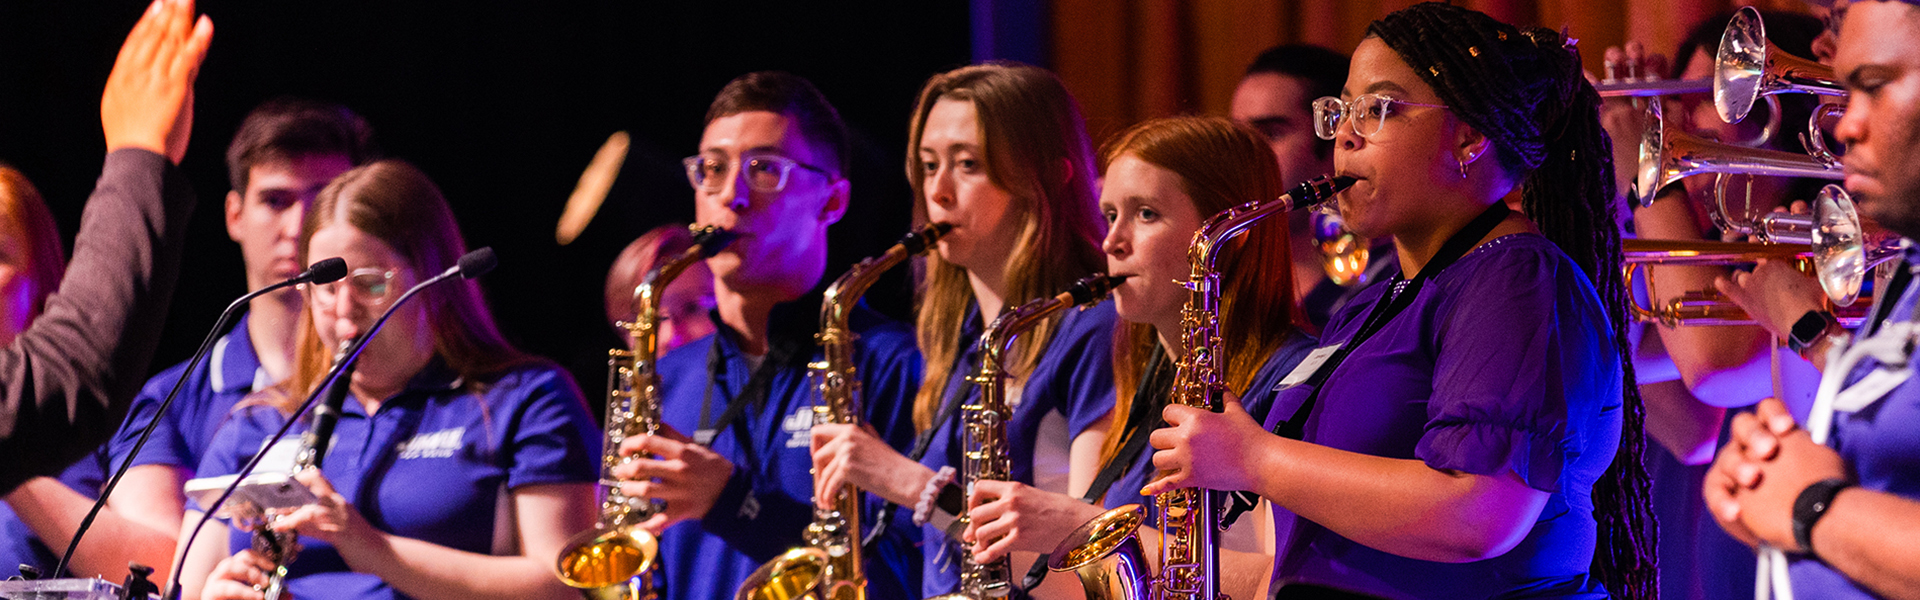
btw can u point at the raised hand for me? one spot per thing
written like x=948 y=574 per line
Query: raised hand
x=148 y=102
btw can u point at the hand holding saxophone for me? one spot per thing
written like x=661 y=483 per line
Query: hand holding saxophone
x=1222 y=437
x=670 y=467
x=331 y=519
x=1006 y=516
x=241 y=576
x=855 y=454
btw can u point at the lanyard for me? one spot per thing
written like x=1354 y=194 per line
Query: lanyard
x=755 y=393
x=1399 y=295
x=1148 y=398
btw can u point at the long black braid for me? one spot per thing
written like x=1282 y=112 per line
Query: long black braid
x=1524 y=90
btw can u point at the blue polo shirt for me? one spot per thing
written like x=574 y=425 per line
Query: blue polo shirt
x=1069 y=390
x=1878 y=443
x=768 y=501
x=231 y=371
x=433 y=463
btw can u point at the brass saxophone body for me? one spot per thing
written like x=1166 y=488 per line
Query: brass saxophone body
x=1106 y=552
x=829 y=567
x=986 y=454
x=616 y=559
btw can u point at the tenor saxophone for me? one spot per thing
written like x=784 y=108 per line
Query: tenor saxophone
x=829 y=567
x=1106 y=552
x=616 y=559
x=985 y=455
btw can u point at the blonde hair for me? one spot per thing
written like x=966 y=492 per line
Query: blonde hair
x=1035 y=146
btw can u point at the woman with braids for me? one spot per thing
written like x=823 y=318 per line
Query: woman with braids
x=1162 y=179
x=1000 y=152
x=1467 y=429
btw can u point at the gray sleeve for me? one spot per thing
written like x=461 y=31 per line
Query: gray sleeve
x=67 y=380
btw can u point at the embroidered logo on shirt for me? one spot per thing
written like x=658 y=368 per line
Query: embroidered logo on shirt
x=439 y=444
x=799 y=427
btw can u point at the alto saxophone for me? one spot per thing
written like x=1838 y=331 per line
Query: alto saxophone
x=829 y=567
x=986 y=454
x=616 y=559
x=1106 y=552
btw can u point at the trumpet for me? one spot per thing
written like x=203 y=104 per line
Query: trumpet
x=1837 y=252
x=1668 y=154
x=1659 y=87
x=829 y=567
x=1745 y=69
x=616 y=558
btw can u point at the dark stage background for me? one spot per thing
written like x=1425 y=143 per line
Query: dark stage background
x=502 y=104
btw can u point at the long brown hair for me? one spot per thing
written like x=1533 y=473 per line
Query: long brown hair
x=1221 y=164
x=1035 y=146
x=396 y=203
x=44 y=261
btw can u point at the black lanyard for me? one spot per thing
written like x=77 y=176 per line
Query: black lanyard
x=759 y=384
x=1143 y=416
x=1398 y=296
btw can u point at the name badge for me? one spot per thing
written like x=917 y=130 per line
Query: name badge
x=1870 y=389
x=704 y=437
x=1309 y=365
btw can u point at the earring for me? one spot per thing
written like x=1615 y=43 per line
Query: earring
x=1463 y=165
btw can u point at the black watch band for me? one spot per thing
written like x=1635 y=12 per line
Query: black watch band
x=1809 y=329
x=1811 y=506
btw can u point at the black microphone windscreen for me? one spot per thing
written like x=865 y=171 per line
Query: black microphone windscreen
x=477 y=263
x=327 y=270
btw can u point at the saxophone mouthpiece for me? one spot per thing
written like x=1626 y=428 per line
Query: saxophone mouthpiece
x=1093 y=288
x=711 y=240
x=1317 y=190
x=919 y=240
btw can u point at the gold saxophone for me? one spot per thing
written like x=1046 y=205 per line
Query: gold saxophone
x=829 y=567
x=616 y=559
x=1106 y=552
x=986 y=454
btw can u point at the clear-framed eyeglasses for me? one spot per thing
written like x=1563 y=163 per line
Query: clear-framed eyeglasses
x=765 y=173
x=369 y=286
x=1364 y=113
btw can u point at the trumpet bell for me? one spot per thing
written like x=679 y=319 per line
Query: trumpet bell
x=599 y=558
x=1106 y=554
x=1745 y=69
x=799 y=573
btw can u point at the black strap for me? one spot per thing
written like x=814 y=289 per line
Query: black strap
x=1885 y=299
x=923 y=441
x=1399 y=295
x=1149 y=397
x=759 y=384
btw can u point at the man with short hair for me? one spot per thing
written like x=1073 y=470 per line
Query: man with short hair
x=1850 y=508
x=285 y=152
x=739 y=490
x=1276 y=97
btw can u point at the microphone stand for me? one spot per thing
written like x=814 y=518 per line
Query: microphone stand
x=325 y=271
x=473 y=264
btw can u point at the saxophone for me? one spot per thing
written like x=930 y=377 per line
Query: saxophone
x=829 y=567
x=1106 y=552
x=280 y=547
x=615 y=559
x=985 y=455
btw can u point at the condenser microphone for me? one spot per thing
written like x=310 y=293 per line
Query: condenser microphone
x=327 y=270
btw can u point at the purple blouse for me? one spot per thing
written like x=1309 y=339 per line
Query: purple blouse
x=1504 y=361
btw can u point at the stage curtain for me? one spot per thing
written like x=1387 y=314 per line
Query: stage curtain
x=1130 y=60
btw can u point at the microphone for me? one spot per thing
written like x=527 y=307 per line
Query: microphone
x=472 y=264
x=328 y=270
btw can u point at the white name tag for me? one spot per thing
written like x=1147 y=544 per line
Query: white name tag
x=1309 y=364
x=1870 y=389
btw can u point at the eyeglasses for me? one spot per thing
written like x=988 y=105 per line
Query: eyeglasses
x=369 y=286
x=1364 y=113
x=766 y=173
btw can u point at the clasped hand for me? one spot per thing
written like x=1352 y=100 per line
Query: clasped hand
x=1756 y=477
x=1223 y=438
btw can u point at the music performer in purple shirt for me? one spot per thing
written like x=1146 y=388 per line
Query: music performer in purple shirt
x=1453 y=436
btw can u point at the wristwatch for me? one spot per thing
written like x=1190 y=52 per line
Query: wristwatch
x=1809 y=329
x=1812 y=504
